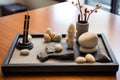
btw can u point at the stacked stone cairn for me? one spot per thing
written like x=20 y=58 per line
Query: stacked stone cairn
x=88 y=44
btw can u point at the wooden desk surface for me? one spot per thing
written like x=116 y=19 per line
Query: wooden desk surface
x=58 y=17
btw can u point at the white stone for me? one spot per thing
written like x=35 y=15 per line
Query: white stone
x=24 y=52
x=90 y=58
x=58 y=47
x=29 y=37
x=88 y=40
x=57 y=37
x=80 y=60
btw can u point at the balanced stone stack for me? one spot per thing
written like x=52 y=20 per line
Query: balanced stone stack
x=88 y=42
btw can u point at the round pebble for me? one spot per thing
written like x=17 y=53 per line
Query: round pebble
x=58 y=47
x=48 y=31
x=90 y=58
x=80 y=60
x=24 y=52
x=88 y=40
x=57 y=37
x=52 y=34
x=47 y=38
x=29 y=37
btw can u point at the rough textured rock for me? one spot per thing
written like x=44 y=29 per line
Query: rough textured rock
x=71 y=33
x=42 y=57
x=66 y=55
x=70 y=43
x=50 y=48
x=103 y=58
x=57 y=37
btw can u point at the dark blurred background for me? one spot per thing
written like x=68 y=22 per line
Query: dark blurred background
x=8 y=7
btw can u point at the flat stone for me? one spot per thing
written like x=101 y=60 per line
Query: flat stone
x=88 y=50
x=42 y=57
x=50 y=48
x=66 y=55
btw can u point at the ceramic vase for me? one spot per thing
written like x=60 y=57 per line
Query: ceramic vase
x=81 y=28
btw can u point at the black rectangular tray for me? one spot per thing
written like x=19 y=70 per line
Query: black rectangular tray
x=11 y=65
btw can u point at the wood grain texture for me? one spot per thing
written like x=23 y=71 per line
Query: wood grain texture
x=58 y=18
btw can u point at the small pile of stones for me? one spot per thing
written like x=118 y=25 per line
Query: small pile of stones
x=88 y=58
x=51 y=36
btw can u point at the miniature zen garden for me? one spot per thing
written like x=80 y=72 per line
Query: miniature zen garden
x=58 y=49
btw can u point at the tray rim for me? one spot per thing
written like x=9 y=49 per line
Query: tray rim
x=60 y=67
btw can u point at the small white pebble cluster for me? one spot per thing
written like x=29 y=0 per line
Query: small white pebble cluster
x=51 y=36
x=88 y=58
